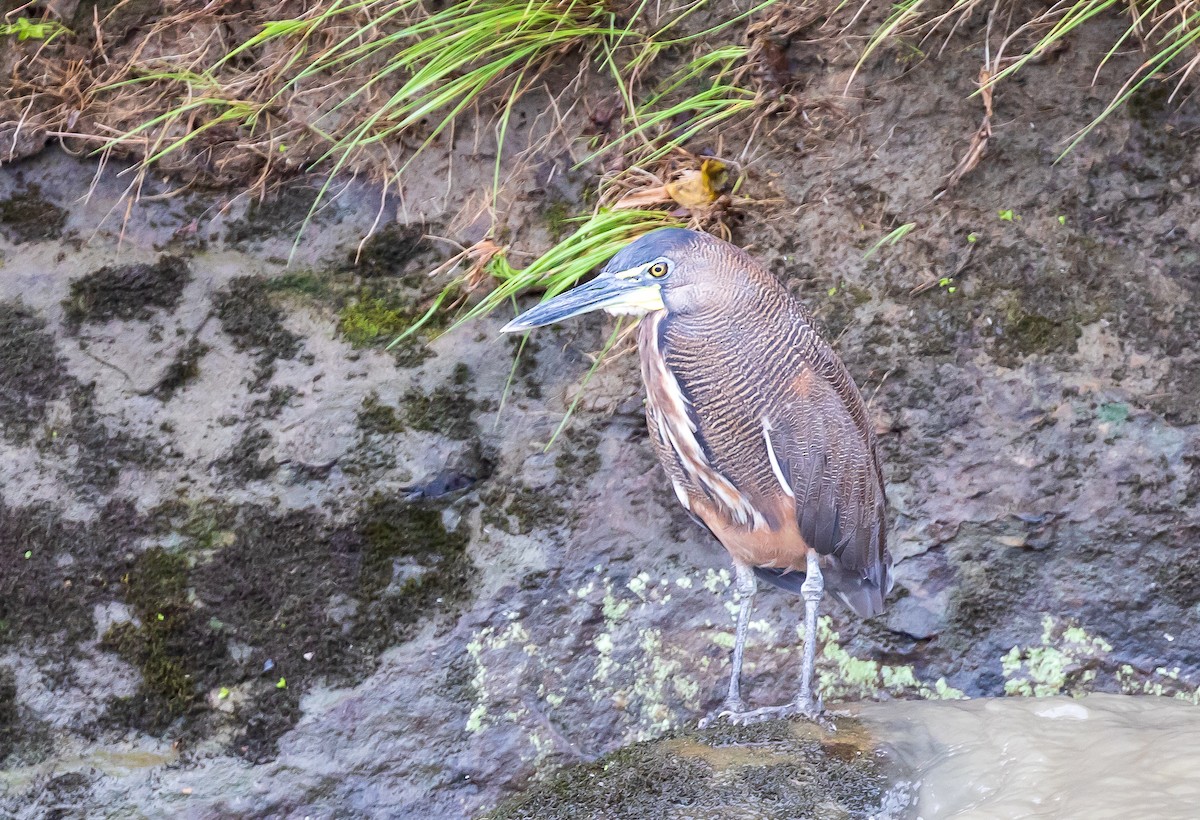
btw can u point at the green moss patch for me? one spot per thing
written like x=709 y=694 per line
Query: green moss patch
x=774 y=769
x=172 y=644
x=27 y=217
x=558 y=219
x=300 y=598
x=370 y=319
x=127 y=291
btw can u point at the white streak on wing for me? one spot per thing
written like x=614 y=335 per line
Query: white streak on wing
x=682 y=439
x=681 y=493
x=780 y=477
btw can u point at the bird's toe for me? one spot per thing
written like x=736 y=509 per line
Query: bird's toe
x=729 y=711
x=809 y=710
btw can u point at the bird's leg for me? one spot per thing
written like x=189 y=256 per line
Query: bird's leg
x=734 y=705
x=805 y=704
x=746 y=587
x=813 y=589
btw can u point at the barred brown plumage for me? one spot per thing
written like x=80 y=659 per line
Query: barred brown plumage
x=758 y=424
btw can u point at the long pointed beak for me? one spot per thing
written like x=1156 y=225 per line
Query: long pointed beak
x=605 y=292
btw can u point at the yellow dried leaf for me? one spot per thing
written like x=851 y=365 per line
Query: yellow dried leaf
x=699 y=189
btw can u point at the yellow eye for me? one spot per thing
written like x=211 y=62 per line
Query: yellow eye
x=657 y=269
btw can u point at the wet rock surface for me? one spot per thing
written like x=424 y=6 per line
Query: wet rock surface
x=254 y=564
x=771 y=770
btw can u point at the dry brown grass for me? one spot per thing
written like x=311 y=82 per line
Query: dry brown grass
x=244 y=95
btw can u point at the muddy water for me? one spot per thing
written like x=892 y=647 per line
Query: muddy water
x=1102 y=756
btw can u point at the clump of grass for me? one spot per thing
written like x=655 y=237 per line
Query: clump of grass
x=348 y=85
x=372 y=73
x=1169 y=30
x=694 y=100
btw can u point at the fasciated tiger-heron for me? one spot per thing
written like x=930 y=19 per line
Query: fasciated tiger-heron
x=762 y=432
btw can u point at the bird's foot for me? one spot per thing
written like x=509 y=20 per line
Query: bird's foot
x=729 y=710
x=811 y=710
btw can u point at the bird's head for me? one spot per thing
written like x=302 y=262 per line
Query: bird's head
x=667 y=269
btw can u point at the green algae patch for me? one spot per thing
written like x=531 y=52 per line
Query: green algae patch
x=371 y=318
x=413 y=566
x=27 y=217
x=32 y=374
x=1066 y=662
x=772 y=769
x=127 y=291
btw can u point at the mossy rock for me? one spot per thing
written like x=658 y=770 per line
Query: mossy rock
x=245 y=461
x=183 y=370
x=521 y=509
x=280 y=213
x=172 y=644
x=27 y=217
x=413 y=566
x=127 y=291
x=776 y=769
x=374 y=318
x=255 y=324
x=32 y=374
x=389 y=252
